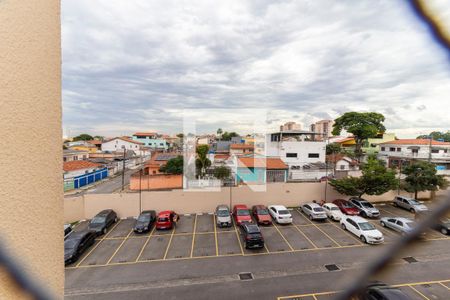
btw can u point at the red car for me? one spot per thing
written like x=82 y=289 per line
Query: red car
x=165 y=219
x=241 y=214
x=346 y=207
x=261 y=214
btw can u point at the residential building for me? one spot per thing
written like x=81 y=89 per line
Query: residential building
x=207 y=139
x=74 y=155
x=241 y=149
x=96 y=143
x=323 y=129
x=343 y=165
x=371 y=145
x=151 y=139
x=347 y=143
x=260 y=170
x=237 y=140
x=157 y=161
x=78 y=173
x=290 y=126
x=85 y=147
x=406 y=151
x=221 y=147
x=304 y=156
x=120 y=143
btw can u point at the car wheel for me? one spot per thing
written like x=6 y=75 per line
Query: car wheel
x=383 y=224
x=310 y=217
x=104 y=230
x=412 y=211
x=116 y=219
x=444 y=231
x=363 y=214
x=363 y=239
x=395 y=204
x=343 y=227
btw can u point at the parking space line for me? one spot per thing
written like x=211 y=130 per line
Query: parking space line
x=146 y=242
x=284 y=238
x=314 y=296
x=238 y=238
x=306 y=295
x=309 y=240
x=111 y=230
x=168 y=245
x=215 y=235
x=89 y=253
x=193 y=235
x=334 y=241
x=120 y=246
x=388 y=212
x=418 y=292
x=444 y=285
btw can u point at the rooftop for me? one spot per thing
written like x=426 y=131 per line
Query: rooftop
x=145 y=133
x=261 y=162
x=416 y=142
x=79 y=165
x=241 y=146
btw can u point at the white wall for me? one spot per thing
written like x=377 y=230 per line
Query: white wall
x=301 y=148
x=407 y=153
x=117 y=144
x=75 y=173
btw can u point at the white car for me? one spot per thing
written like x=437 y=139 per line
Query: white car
x=333 y=212
x=280 y=214
x=362 y=229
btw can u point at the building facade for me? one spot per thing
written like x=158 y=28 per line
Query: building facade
x=151 y=140
x=290 y=126
x=323 y=129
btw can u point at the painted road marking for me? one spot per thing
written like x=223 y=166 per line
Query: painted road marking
x=193 y=235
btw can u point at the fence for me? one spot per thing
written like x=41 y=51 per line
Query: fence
x=86 y=179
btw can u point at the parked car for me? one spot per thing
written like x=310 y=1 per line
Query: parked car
x=314 y=211
x=223 y=216
x=333 y=212
x=102 y=221
x=346 y=207
x=362 y=229
x=280 y=214
x=251 y=236
x=76 y=243
x=366 y=209
x=261 y=215
x=241 y=214
x=145 y=221
x=399 y=224
x=409 y=203
x=381 y=291
x=165 y=220
x=443 y=224
x=67 y=229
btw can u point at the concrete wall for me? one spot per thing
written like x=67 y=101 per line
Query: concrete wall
x=127 y=204
x=30 y=108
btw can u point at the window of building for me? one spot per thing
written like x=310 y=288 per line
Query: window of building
x=434 y=151
x=342 y=167
x=392 y=149
x=161 y=144
x=75 y=158
x=382 y=149
x=415 y=151
x=291 y=154
x=399 y=149
x=313 y=155
x=64 y=158
x=84 y=157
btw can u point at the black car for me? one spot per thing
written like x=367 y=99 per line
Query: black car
x=102 y=221
x=67 y=229
x=251 y=236
x=381 y=291
x=145 y=221
x=76 y=243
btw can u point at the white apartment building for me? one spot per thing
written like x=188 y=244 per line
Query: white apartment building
x=407 y=150
x=120 y=143
x=304 y=157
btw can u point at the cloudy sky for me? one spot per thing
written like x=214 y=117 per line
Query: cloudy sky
x=141 y=65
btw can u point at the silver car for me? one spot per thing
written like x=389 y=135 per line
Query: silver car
x=366 y=209
x=409 y=203
x=314 y=211
x=223 y=216
x=402 y=225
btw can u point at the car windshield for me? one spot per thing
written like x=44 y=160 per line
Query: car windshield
x=223 y=213
x=347 y=205
x=366 y=226
x=262 y=212
x=242 y=212
x=367 y=204
x=252 y=229
x=414 y=202
x=318 y=209
x=283 y=212
x=410 y=224
x=334 y=208
x=144 y=218
x=70 y=244
x=98 y=220
x=163 y=219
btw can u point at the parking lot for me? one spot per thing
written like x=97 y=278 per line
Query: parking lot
x=196 y=237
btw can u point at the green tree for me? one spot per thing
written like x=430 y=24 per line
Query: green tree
x=180 y=135
x=226 y=136
x=333 y=148
x=99 y=137
x=173 y=166
x=83 y=137
x=202 y=161
x=362 y=125
x=437 y=135
x=376 y=179
x=222 y=172
x=219 y=132
x=421 y=176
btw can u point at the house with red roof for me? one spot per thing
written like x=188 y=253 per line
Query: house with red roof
x=260 y=170
x=406 y=151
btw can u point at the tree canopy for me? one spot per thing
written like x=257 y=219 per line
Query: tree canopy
x=362 y=125
x=226 y=136
x=222 y=172
x=437 y=135
x=173 y=166
x=421 y=176
x=202 y=161
x=333 y=148
x=376 y=179
x=83 y=137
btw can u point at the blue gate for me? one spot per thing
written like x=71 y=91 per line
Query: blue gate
x=89 y=178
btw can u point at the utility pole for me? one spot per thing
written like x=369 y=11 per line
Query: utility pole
x=399 y=175
x=326 y=169
x=123 y=168
x=429 y=150
x=140 y=190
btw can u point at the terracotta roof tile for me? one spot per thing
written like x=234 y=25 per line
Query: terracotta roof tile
x=415 y=142
x=145 y=133
x=79 y=165
x=241 y=146
x=261 y=162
